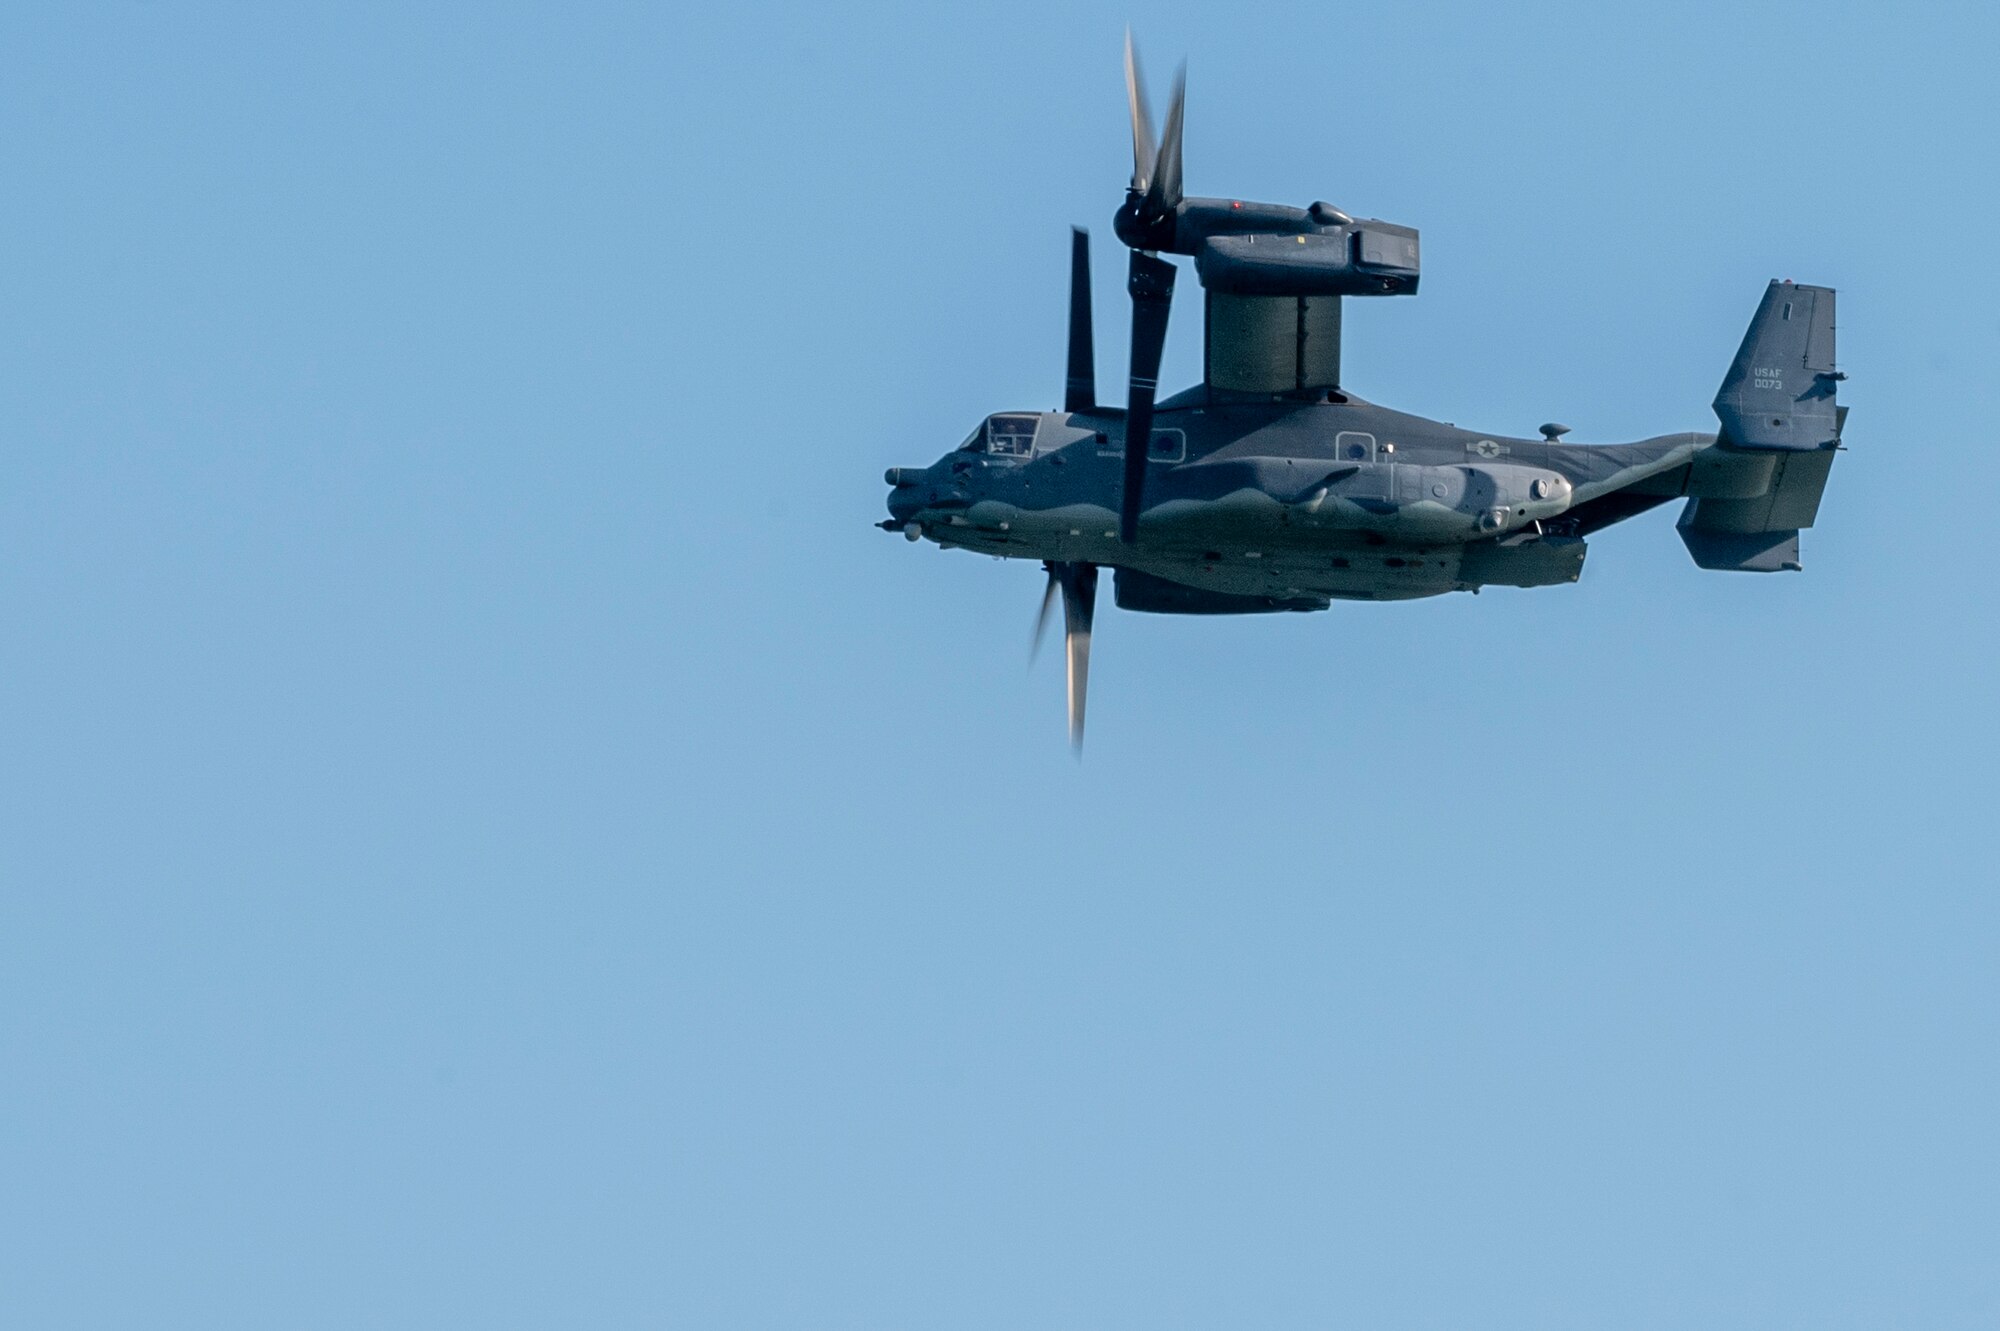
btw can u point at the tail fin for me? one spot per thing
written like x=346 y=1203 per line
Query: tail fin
x=1779 y=393
x=1778 y=397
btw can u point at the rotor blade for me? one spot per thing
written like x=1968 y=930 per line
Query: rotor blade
x=1081 y=392
x=1042 y=615
x=1163 y=195
x=1152 y=286
x=1142 y=120
x=1079 y=589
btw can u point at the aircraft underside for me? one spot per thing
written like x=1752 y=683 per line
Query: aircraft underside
x=1247 y=546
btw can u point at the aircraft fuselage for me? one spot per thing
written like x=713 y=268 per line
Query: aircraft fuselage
x=1296 y=502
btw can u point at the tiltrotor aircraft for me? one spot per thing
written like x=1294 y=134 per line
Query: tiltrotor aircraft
x=1269 y=487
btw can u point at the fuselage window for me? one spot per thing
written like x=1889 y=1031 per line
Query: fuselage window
x=1012 y=435
x=1353 y=446
x=1168 y=446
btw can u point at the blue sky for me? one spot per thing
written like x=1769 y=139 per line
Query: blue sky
x=490 y=835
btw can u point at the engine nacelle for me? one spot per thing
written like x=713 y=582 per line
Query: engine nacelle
x=1363 y=259
x=1270 y=249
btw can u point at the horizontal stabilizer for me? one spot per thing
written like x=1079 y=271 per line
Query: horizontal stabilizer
x=1744 y=552
x=1761 y=534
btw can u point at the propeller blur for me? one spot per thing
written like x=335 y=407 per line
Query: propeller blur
x=1269 y=486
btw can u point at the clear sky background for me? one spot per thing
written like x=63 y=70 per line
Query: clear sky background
x=491 y=836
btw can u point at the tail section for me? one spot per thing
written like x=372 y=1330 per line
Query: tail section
x=1779 y=391
x=1778 y=398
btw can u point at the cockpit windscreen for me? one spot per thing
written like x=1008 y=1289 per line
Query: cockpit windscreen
x=1012 y=433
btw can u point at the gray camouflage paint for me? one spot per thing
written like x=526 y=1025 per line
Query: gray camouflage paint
x=1290 y=504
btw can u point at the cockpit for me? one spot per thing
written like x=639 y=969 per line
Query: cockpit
x=1007 y=434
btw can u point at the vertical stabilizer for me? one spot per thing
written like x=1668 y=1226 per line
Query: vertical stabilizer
x=1779 y=392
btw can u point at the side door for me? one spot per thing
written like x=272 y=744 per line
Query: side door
x=1375 y=486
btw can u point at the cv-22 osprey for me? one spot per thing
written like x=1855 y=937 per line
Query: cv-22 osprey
x=1270 y=487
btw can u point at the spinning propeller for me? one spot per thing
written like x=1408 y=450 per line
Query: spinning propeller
x=1078 y=584
x=1146 y=223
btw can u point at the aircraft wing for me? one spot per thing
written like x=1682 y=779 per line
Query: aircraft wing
x=1271 y=344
